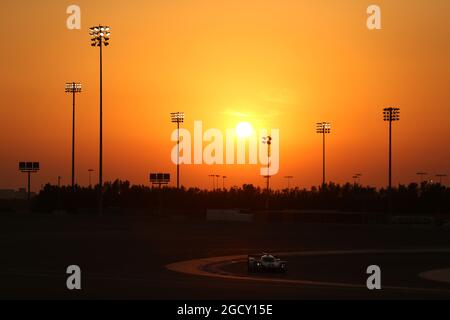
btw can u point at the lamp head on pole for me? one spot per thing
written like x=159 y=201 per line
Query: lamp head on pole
x=323 y=127
x=100 y=35
x=267 y=140
x=177 y=117
x=73 y=87
x=391 y=114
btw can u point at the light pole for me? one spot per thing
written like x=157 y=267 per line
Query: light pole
x=90 y=171
x=421 y=175
x=178 y=117
x=223 y=182
x=440 y=176
x=268 y=140
x=323 y=128
x=390 y=115
x=357 y=178
x=288 y=178
x=99 y=38
x=73 y=88
x=217 y=181
x=213 y=176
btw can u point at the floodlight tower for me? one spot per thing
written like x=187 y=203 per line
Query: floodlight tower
x=357 y=178
x=178 y=117
x=217 y=181
x=440 y=176
x=213 y=176
x=421 y=175
x=288 y=178
x=268 y=140
x=391 y=115
x=73 y=88
x=223 y=182
x=99 y=38
x=323 y=128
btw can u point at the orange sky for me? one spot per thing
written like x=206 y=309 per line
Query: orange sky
x=284 y=64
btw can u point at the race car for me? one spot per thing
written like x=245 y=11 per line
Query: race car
x=266 y=263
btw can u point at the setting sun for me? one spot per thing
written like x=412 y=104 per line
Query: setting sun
x=207 y=152
x=244 y=129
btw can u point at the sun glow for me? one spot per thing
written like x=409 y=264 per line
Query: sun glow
x=244 y=129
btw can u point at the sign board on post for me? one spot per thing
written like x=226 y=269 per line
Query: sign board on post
x=159 y=179
x=29 y=166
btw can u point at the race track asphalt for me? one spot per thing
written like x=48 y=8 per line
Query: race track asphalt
x=126 y=258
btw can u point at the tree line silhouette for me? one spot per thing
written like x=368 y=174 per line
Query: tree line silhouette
x=124 y=198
